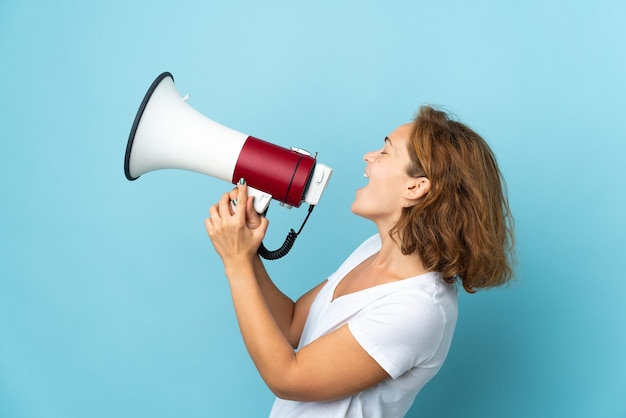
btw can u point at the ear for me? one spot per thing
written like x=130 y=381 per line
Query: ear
x=416 y=188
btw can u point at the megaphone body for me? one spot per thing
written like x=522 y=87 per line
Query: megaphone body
x=168 y=133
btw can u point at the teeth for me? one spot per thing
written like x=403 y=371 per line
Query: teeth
x=366 y=176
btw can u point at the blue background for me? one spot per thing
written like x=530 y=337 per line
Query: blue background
x=112 y=302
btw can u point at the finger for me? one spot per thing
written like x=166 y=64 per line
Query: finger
x=213 y=211
x=262 y=229
x=208 y=225
x=214 y=217
x=233 y=199
x=223 y=206
x=242 y=197
x=251 y=214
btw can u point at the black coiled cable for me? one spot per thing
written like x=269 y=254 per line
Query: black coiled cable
x=286 y=247
x=282 y=251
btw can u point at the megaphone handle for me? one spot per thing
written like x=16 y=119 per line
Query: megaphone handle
x=261 y=199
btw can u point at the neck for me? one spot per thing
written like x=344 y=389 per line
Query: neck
x=391 y=260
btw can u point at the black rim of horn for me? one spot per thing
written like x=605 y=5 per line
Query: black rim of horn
x=142 y=107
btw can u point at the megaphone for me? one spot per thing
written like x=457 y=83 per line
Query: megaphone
x=168 y=133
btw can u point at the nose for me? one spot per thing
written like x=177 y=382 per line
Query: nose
x=369 y=157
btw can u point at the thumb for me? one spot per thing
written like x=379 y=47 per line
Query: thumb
x=263 y=224
x=253 y=219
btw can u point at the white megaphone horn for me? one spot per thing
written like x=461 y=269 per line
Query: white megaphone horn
x=169 y=133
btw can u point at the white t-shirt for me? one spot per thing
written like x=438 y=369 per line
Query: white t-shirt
x=406 y=326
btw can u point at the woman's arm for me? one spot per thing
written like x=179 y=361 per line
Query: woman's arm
x=333 y=366
x=289 y=316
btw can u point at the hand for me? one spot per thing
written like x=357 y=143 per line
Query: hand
x=236 y=235
x=253 y=219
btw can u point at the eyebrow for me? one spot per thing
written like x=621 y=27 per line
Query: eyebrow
x=388 y=140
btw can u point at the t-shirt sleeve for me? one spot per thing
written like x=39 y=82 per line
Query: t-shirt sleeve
x=400 y=331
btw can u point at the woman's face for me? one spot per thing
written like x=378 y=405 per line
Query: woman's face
x=385 y=194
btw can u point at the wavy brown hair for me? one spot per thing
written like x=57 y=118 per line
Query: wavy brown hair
x=463 y=226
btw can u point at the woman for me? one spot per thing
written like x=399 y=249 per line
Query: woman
x=370 y=336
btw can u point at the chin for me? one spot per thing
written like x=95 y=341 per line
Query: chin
x=355 y=209
x=358 y=212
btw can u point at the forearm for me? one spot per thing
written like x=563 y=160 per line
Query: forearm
x=265 y=341
x=289 y=316
x=280 y=306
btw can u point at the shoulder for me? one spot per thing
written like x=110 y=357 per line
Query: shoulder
x=410 y=324
x=424 y=297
